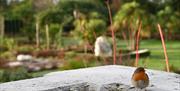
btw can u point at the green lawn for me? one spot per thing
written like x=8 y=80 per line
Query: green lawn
x=157 y=59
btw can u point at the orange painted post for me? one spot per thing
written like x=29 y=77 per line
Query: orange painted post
x=164 y=47
x=112 y=33
x=137 y=43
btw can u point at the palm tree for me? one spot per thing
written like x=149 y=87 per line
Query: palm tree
x=127 y=18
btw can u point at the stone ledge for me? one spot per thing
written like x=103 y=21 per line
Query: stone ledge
x=103 y=78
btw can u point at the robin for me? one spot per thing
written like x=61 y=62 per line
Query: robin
x=140 y=79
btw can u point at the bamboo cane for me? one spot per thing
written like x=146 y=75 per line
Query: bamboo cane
x=137 y=43
x=112 y=33
x=164 y=47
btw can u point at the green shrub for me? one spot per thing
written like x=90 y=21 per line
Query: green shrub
x=10 y=43
x=26 y=48
x=76 y=64
x=8 y=55
x=70 y=54
x=73 y=64
x=14 y=74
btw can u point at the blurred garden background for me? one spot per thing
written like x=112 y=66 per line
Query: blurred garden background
x=42 y=36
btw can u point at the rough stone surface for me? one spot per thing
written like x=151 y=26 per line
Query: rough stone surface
x=103 y=78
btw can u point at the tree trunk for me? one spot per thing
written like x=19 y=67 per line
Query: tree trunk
x=37 y=34
x=2 y=26
x=47 y=37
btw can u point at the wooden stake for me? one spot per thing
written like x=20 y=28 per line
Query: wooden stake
x=37 y=34
x=137 y=43
x=47 y=37
x=112 y=33
x=164 y=47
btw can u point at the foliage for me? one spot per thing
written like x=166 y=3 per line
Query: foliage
x=128 y=14
x=127 y=20
x=172 y=22
x=165 y=12
x=7 y=55
x=25 y=48
x=24 y=12
x=13 y=74
x=89 y=27
x=3 y=5
x=63 y=14
x=73 y=64
x=150 y=12
x=56 y=34
x=10 y=43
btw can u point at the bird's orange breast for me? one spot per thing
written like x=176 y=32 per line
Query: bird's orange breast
x=140 y=76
